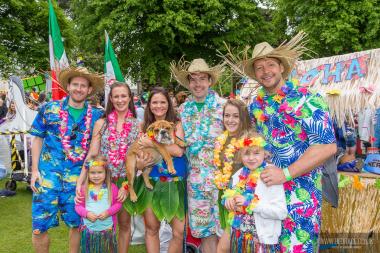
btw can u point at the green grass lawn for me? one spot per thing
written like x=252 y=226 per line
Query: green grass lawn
x=16 y=228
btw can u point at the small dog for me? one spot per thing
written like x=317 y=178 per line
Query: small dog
x=162 y=133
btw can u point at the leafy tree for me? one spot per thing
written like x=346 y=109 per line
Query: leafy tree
x=334 y=26
x=24 y=35
x=148 y=34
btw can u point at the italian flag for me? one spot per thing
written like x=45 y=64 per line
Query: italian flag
x=58 y=58
x=111 y=68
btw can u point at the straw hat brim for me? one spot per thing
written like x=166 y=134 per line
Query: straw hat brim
x=286 y=62
x=182 y=76
x=95 y=79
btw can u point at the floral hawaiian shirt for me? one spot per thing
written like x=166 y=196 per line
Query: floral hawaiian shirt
x=201 y=128
x=46 y=126
x=291 y=122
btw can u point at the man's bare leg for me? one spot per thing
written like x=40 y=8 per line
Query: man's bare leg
x=41 y=243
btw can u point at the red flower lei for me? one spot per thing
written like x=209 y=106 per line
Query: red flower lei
x=116 y=154
x=65 y=139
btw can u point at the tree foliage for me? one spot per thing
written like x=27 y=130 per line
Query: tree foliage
x=334 y=26
x=24 y=34
x=148 y=34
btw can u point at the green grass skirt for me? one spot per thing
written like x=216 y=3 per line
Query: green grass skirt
x=167 y=199
x=223 y=213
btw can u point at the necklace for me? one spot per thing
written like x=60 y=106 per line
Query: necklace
x=197 y=131
x=223 y=175
x=116 y=153
x=246 y=188
x=79 y=153
x=96 y=196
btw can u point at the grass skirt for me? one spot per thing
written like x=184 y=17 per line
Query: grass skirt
x=167 y=199
x=98 y=241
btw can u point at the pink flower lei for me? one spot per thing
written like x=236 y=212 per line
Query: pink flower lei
x=65 y=139
x=116 y=153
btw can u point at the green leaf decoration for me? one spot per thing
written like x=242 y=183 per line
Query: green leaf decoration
x=302 y=194
x=181 y=195
x=302 y=235
x=156 y=205
x=169 y=200
x=306 y=111
x=269 y=110
x=285 y=240
x=318 y=102
x=377 y=183
x=343 y=181
x=318 y=182
x=138 y=186
x=144 y=198
x=288 y=199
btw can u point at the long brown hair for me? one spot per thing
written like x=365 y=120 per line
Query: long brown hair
x=149 y=118
x=110 y=107
x=100 y=159
x=245 y=121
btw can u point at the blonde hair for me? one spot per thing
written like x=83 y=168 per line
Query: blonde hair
x=251 y=134
x=99 y=161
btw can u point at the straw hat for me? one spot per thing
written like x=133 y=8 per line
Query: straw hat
x=183 y=69
x=95 y=79
x=287 y=53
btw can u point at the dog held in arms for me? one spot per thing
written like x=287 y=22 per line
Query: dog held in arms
x=162 y=133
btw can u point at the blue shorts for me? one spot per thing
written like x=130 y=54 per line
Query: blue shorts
x=56 y=194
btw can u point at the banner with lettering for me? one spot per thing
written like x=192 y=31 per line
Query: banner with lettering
x=349 y=82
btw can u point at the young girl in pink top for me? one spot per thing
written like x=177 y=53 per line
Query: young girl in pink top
x=99 y=209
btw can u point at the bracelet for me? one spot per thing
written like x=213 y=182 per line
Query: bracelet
x=125 y=185
x=287 y=174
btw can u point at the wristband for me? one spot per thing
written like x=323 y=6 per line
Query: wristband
x=287 y=174
x=125 y=185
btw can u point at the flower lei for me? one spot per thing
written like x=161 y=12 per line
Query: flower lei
x=96 y=195
x=116 y=153
x=245 y=187
x=197 y=133
x=262 y=111
x=222 y=176
x=79 y=153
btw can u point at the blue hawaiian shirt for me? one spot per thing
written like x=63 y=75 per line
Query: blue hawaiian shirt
x=53 y=160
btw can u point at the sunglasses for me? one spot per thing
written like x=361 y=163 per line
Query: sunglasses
x=73 y=134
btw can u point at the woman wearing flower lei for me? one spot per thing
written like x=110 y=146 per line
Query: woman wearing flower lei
x=113 y=135
x=167 y=199
x=256 y=210
x=235 y=121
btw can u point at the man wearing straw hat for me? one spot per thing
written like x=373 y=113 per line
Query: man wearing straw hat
x=62 y=131
x=297 y=125
x=201 y=117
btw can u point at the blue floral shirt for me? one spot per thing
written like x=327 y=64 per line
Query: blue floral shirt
x=46 y=126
